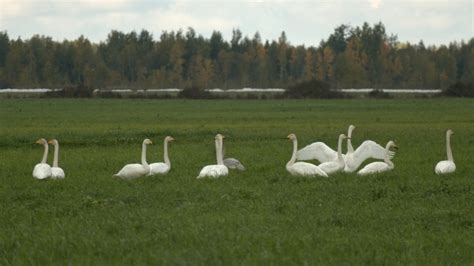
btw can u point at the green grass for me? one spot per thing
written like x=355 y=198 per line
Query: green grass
x=261 y=216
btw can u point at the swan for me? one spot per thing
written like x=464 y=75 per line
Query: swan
x=56 y=171
x=352 y=159
x=232 y=163
x=301 y=168
x=162 y=168
x=42 y=170
x=448 y=166
x=219 y=169
x=378 y=167
x=337 y=165
x=131 y=171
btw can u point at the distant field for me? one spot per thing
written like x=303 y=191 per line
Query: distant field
x=261 y=216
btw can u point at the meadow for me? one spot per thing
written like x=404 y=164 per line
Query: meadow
x=260 y=216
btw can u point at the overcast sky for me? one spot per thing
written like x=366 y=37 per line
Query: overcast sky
x=305 y=22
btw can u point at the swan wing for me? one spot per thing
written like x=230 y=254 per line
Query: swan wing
x=131 y=171
x=369 y=149
x=213 y=171
x=331 y=167
x=233 y=163
x=306 y=169
x=373 y=168
x=158 y=168
x=317 y=150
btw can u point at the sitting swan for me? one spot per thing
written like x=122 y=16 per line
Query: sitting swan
x=301 y=168
x=56 y=171
x=219 y=169
x=448 y=166
x=162 y=168
x=232 y=163
x=42 y=170
x=337 y=165
x=378 y=167
x=131 y=171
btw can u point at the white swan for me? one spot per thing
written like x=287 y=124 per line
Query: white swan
x=56 y=171
x=352 y=159
x=219 y=169
x=368 y=149
x=448 y=166
x=162 y=168
x=301 y=168
x=232 y=163
x=337 y=165
x=131 y=171
x=42 y=170
x=378 y=167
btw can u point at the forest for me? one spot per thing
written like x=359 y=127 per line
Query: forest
x=351 y=57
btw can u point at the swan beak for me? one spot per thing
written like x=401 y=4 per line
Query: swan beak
x=172 y=139
x=38 y=142
x=50 y=141
x=395 y=147
x=348 y=138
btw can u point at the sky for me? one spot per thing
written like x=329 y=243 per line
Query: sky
x=435 y=22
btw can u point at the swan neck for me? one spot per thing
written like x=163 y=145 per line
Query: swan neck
x=165 y=154
x=339 y=150
x=56 y=155
x=144 y=162
x=220 y=157
x=387 y=157
x=45 y=153
x=448 y=148
x=350 y=149
x=293 y=155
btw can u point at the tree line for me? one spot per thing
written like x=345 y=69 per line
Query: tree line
x=351 y=57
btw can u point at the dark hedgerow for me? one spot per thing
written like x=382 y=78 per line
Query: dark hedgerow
x=312 y=89
x=460 y=89
x=194 y=92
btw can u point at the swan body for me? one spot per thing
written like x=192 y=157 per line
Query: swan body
x=447 y=166
x=162 y=167
x=379 y=167
x=301 y=168
x=56 y=171
x=42 y=170
x=132 y=171
x=352 y=159
x=233 y=163
x=219 y=169
x=338 y=164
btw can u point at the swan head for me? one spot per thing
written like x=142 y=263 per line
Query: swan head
x=449 y=132
x=147 y=142
x=41 y=141
x=169 y=138
x=292 y=136
x=53 y=141
x=391 y=144
x=219 y=137
x=343 y=136
x=351 y=128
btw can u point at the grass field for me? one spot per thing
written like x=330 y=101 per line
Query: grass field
x=261 y=216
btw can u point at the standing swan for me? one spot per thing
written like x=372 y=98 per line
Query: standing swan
x=42 y=170
x=131 y=171
x=56 y=171
x=378 y=167
x=162 y=168
x=301 y=168
x=338 y=165
x=448 y=166
x=219 y=169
